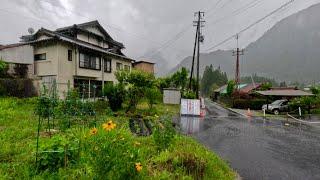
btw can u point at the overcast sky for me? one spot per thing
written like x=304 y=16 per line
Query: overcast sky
x=145 y=25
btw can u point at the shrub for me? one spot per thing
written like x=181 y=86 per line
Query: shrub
x=152 y=95
x=17 y=88
x=137 y=82
x=3 y=68
x=164 y=134
x=255 y=104
x=115 y=95
x=112 y=153
x=306 y=103
x=189 y=95
x=57 y=152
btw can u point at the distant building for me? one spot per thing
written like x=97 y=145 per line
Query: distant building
x=144 y=66
x=244 y=89
x=18 y=56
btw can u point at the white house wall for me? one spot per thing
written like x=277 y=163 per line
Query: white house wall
x=21 y=54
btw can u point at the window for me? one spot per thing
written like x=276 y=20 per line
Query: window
x=119 y=66
x=89 y=61
x=69 y=55
x=127 y=67
x=107 y=65
x=40 y=57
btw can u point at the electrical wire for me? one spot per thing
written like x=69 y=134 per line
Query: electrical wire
x=251 y=25
x=171 y=41
x=236 y=12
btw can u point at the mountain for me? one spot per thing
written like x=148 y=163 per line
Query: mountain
x=289 y=51
x=161 y=63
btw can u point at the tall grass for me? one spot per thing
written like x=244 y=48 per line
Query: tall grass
x=184 y=158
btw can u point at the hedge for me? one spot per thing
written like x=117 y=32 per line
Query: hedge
x=255 y=104
x=17 y=88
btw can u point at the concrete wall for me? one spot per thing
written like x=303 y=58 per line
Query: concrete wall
x=50 y=65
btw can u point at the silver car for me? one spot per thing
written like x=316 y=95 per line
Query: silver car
x=277 y=106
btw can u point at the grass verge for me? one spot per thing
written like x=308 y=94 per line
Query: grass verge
x=183 y=159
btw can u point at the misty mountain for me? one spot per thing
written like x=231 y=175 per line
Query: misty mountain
x=289 y=51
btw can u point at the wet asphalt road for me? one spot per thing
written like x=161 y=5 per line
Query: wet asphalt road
x=257 y=148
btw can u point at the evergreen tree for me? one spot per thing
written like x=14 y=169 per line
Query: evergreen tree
x=212 y=78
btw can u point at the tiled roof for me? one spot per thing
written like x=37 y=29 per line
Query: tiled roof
x=79 y=42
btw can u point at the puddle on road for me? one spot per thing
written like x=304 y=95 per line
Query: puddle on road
x=191 y=124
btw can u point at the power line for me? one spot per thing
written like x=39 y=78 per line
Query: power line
x=170 y=41
x=214 y=7
x=236 y=12
x=251 y=25
x=224 y=5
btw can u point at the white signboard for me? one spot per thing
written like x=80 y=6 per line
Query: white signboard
x=190 y=107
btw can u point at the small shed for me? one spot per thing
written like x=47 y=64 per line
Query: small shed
x=171 y=96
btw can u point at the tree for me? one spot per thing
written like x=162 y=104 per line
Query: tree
x=180 y=79
x=212 y=76
x=231 y=87
x=265 y=86
x=136 y=83
x=152 y=95
x=259 y=79
x=115 y=95
x=315 y=90
x=283 y=84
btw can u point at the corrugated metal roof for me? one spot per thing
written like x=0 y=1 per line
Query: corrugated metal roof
x=250 y=87
x=285 y=92
x=224 y=91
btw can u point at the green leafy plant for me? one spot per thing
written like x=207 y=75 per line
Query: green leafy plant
x=152 y=95
x=112 y=153
x=46 y=103
x=189 y=95
x=57 y=152
x=136 y=82
x=164 y=134
x=3 y=68
x=306 y=103
x=115 y=94
x=230 y=88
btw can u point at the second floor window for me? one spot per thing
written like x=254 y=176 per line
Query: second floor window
x=119 y=66
x=40 y=57
x=107 y=65
x=89 y=61
x=69 y=55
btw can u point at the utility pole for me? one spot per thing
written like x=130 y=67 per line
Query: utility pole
x=199 y=23
x=237 y=53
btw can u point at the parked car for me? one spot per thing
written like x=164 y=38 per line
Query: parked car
x=277 y=106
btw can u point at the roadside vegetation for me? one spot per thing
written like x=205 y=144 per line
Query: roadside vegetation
x=80 y=139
